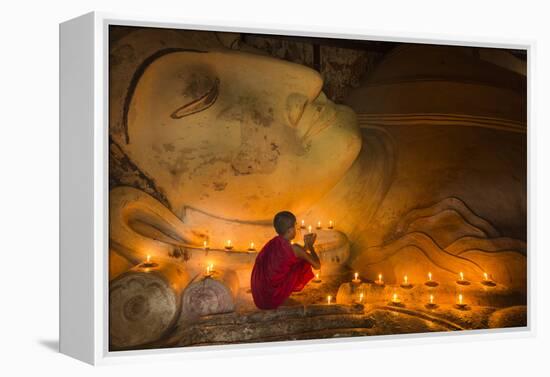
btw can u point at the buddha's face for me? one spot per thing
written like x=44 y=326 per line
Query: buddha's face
x=238 y=135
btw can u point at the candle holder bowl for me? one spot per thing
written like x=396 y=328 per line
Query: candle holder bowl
x=463 y=282
x=397 y=304
x=489 y=283
x=228 y=247
x=148 y=265
x=406 y=285
x=462 y=307
x=431 y=283
x=430 y=306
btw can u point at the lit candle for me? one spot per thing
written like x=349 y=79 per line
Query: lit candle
x=303 y=226
x=329 y=299
x=228 y=245
x=317 y=278
x=205 y=245
x=209 y=269
x=430 y=282
x=148 y=259
x=318 y=225
x=251 y=247
x=330 y=224
x=462 y=280
x=460 y=303
x=431 y=299
x=309 y=228
x=356 y=279
x=379 y=281
x=487 y=281
x=406 y=283
x=395 y=299
x=361 y=297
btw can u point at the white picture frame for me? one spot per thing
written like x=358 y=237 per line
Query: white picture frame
x=84 y=189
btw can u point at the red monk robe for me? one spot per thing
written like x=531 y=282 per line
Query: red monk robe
x=277 y=273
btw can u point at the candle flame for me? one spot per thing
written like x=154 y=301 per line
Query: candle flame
x=356 y=276
x=329 y=299
x=252 y=245
x=431 y=299
x=318 y=224
x=204 y=243
x=460 y=299
x=429 y=276
x=361 y=297
x=380 y=278
x=395 y=298
x=406 y=279
x=317 y=276
x=303 y=223
x=461 y=276
x=229 y=243
x=148 y=258
x=485 y=276
x=330 y=224
x=309 y=228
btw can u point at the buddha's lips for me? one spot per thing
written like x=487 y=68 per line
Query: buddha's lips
x=324 y=115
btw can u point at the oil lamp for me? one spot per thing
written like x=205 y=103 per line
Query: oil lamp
x=431 y=304
x=330 y=224
x=487 y=281
x=405 y=283
x=318 y=225
x=460 y=304
x=317 y=279
x=147 y=264
x=303 y=225
x=379 y=281
x=209 y=269
x=356 y=279
x=430 y=282
x=309 y=228
x=228 y=245
x=395 y=300
x=251 y=247
x=461 y=280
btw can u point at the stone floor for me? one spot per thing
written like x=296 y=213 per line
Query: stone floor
x=306 y=315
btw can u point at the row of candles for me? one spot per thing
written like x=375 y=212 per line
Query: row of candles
x=229 y=245
x=395 y=300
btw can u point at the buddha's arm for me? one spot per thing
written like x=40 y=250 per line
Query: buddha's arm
x=312 y=258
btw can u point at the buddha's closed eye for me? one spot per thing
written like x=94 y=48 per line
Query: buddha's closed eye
x=199 y=104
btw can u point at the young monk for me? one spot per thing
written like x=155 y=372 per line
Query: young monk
x=281 y=267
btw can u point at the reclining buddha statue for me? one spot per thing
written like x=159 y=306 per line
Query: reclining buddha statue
x=423 y=169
